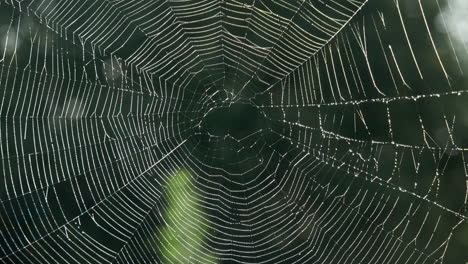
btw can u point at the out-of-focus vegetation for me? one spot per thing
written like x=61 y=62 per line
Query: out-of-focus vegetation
x=185 y=229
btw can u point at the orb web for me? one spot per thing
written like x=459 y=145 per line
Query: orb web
x=223 y=131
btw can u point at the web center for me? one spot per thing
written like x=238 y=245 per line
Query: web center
x=238 y=120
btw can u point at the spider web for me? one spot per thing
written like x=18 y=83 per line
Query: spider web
x=356 y=155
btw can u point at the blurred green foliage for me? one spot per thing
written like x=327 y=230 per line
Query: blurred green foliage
x=184 y=234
